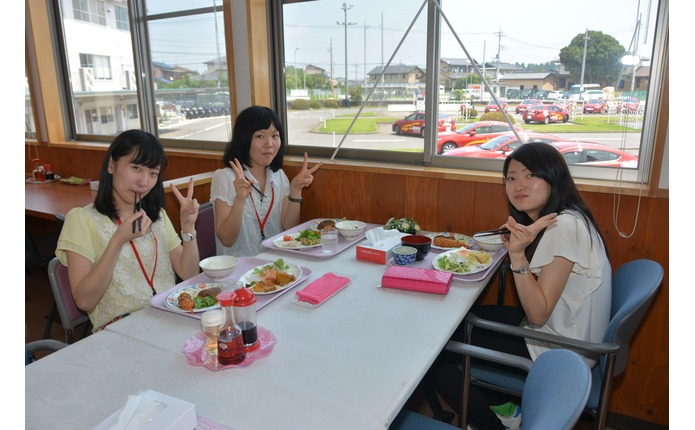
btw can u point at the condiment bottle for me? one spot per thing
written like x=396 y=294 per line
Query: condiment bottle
x=245 y=316
x=230 y=344
x=210 y=323
x=39 y=174
x=49 y=172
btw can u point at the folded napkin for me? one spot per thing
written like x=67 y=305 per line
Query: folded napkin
x=417 y=279
x=323 y=288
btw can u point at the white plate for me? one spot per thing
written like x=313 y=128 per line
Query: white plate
x=292 y=244
x=172 y=300
x=249 y=277
x=458 y=236
x=455 y=254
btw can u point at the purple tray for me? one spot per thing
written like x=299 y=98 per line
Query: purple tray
x=426 y=263
x=315 y=252
x=245 y=264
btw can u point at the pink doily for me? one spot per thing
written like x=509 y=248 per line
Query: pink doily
x=196 y=355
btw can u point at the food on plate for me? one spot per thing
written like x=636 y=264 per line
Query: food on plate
x=214 y=291
x=325 y=223
x=305 y=238
x=448 y=240
x=309 y=237
x=463 y=260
x=271 y=277
x=186 y=302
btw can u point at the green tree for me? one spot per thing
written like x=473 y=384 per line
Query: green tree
x=603 y=55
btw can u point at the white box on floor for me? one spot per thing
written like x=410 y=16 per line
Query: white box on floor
x=152 y=410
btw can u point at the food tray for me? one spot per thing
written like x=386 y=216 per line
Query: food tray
x=245 y=264
x=426 y=263
x=316 y=252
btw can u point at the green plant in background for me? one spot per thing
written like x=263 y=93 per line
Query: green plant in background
x=404 y=225
x=300 y=104
x=314 y=104
x=497 y=116
x=331 y=104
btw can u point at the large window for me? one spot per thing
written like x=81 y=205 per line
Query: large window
x=175 y=84
x=457 y=62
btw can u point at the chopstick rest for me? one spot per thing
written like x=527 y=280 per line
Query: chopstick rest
x=322 y=289
x=417 y=279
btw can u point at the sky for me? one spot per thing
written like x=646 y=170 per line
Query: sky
x=525 y=32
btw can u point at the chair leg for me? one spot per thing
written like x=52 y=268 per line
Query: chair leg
x=438 y=413
x=504 y=267
x=49 y=323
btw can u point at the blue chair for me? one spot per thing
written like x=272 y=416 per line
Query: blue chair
x=634 y=285
x=554 y=396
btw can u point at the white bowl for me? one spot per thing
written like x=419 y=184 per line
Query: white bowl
x=351 y=229
x=491 y=243
x=219 y=267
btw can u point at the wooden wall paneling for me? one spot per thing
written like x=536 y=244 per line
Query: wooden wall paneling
x=388 y=198
x=456 y=202
x=421 y=201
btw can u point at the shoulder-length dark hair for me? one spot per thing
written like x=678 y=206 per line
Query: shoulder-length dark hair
x=547 y=163
x=143 y=149
x=249 y=121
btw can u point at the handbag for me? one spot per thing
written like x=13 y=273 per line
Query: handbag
x=417 y=279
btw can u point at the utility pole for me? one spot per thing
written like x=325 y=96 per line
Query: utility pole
x=365 y=53
x=332 y=88
x=295 y=68
x=345 y=23
x=499 y=48
x=382 y=47
x=581 y=79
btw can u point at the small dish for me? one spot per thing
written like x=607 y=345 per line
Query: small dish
x=404 y=255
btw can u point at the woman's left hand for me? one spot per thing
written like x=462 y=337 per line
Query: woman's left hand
x=189 y=206
x=304 y=178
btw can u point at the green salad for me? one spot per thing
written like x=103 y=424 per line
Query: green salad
x=455 y=265
x=204 y=302
x=309 y=237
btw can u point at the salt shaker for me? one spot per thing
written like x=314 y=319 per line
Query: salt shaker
x=230 y=344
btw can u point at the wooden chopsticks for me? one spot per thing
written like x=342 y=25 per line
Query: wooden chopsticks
x=492 y=232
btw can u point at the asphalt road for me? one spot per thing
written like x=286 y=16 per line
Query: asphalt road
x=301 y=124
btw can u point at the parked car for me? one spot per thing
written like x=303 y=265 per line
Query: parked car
x=596 y=106
x=415 y=124
x=501 y=146
x=629 y=105
x=554 y=95
x=546 y=114
x=492 y=106
x=593 y=94
x=541 y=95
x=595 y=154
x=525 y=104
x=472 y=134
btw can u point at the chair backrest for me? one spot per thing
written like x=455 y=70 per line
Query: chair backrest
x=556 y=391
x=43 y=345
x=70 y=315
x=205 y=229
x=634 y=285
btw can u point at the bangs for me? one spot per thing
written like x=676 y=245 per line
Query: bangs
x=150 y=154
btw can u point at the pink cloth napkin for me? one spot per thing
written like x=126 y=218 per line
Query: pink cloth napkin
x=322 y=288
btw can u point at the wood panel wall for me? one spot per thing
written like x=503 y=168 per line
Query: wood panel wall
x=453 y=203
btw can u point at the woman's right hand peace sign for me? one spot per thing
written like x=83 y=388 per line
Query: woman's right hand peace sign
x=241 y=184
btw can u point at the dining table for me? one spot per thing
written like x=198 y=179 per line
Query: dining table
x=350 y=362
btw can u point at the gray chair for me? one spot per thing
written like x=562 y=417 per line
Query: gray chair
x=634 y=285
x=43 y=345
x=205 y=229
x=70 y=315
x=553 y=398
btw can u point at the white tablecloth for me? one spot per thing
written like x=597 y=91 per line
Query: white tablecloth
x=350 y=363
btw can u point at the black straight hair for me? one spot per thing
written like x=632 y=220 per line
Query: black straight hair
x=143 y=149
x=249 y=121
x=546 y=162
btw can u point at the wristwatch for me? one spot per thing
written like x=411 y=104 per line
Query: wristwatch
x=187 y=237
x=521 y=270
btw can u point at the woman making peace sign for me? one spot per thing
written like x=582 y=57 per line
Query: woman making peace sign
x=253 y=197
x=123 y=249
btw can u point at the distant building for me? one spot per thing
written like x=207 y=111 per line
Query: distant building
x=399 y=80
x=310 y=69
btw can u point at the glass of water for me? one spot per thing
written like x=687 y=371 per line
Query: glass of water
x=329 y=240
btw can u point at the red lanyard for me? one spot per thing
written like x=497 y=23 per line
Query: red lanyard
x=150 y=280
x=261 y=225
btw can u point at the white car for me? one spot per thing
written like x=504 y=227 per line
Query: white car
x=554 y=95
x=593 y=94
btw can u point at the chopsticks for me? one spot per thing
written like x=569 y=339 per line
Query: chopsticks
x=137 y=205
x=255 y=188
x=492 y=232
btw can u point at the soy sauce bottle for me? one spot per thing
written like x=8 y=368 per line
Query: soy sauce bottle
x=230 y=343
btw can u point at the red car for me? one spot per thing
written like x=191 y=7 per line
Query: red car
x=546 y=114
x=525 y=104
x=629 y=105
x=415 y=124
x=472 y=134
x=492 y=106
x=596 y=106
x=595 y=154
x=501 y=146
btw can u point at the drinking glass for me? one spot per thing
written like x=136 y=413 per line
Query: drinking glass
x=329 y=240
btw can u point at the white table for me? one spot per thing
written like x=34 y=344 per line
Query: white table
x=350 y=363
